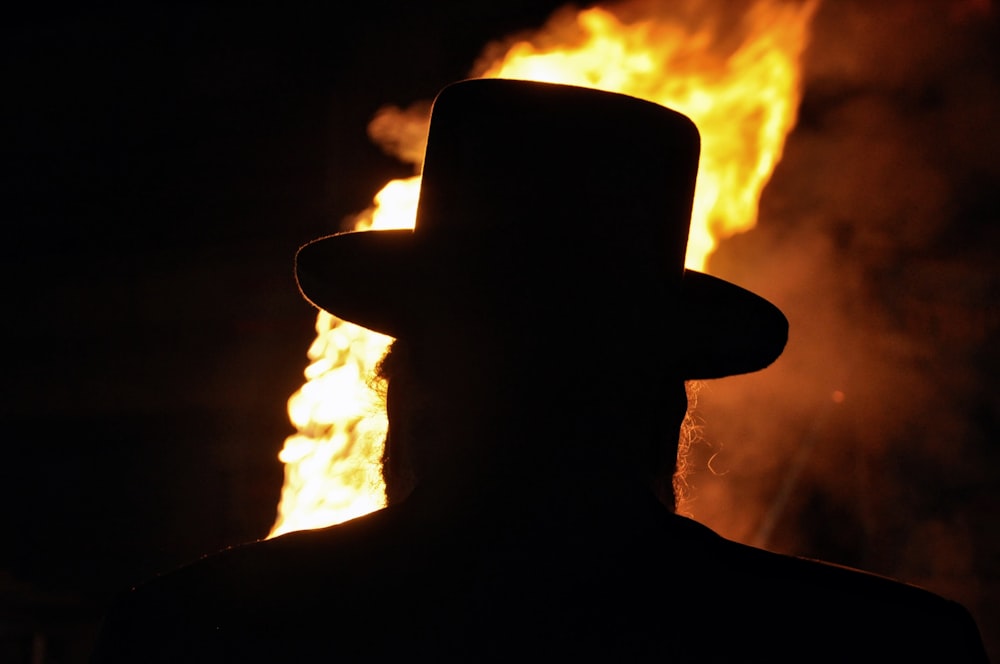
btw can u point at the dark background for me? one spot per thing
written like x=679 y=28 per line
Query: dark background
x=162 y=163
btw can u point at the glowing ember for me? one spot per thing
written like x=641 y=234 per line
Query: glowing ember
x=741 y=89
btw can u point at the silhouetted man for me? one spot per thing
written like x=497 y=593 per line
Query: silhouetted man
x=545 y=329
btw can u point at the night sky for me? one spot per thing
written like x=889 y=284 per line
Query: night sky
x=162 y=163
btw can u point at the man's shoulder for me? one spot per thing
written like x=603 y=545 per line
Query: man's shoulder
x=817 y=601
x=247 y=601
x=746 y=569
x=294 y=562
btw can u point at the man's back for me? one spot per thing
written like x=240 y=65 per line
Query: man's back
x=652 y=587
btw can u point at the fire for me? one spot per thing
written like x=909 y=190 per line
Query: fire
x=332 y=468
x=740 y=86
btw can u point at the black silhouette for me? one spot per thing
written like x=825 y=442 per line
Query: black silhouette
x=545 y=329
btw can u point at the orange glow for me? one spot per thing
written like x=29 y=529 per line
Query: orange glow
x=741 y=88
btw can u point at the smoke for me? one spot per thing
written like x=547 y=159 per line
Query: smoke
x=873 y=440
x=402 y=133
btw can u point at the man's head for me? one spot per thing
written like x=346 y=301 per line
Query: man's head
x=541 y=297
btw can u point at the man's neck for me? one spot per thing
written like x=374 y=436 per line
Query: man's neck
x=534 y=496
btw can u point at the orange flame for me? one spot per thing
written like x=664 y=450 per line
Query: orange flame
x=741 y=88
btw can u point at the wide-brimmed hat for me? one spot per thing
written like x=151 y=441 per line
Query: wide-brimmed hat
x=542 y=209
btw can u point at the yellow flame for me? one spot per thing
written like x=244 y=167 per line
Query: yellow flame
x=741 y=88
x=332 y=468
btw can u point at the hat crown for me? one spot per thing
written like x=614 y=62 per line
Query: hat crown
x=573 y=171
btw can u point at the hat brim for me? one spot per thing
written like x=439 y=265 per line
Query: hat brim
x=368 y=278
